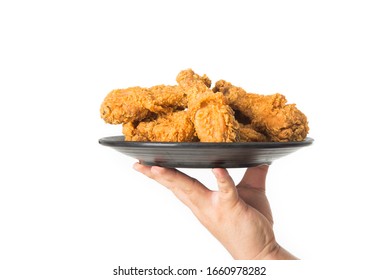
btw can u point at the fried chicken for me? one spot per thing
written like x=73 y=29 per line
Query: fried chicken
x=174 y=127
x=135 y=103
x=268 y=114
x=188 y=79
x=210 y=113
x=249 y=134
x=191 y=111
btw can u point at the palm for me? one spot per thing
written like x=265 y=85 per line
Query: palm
x=256 y=199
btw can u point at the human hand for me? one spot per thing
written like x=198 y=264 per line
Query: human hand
x=239 y=216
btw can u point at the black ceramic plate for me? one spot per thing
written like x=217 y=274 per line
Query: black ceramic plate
x=204 y=155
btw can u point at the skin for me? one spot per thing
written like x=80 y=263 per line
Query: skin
x=239 y=216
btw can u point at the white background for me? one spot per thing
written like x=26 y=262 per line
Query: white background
x=73 y=209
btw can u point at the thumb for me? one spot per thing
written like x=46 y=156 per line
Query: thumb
x=255 y=178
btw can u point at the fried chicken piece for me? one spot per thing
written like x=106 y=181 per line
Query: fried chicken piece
x=249 y=134
x=210 y=113
x=214 y=119
x=269 y=114
x=131 y=133
x=136 y=103
x=188 y=79
x=173 y=127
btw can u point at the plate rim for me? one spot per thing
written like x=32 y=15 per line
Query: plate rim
x=109 y=141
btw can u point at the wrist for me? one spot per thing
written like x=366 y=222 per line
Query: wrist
x=275 y=252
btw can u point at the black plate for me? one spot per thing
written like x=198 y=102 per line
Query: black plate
x=204 y=155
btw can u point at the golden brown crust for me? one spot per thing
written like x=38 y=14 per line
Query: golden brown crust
x=192 y=111
x=136 y=103
x=268 y=114
x=210 y=113
x=174 y=127
x=248 y=134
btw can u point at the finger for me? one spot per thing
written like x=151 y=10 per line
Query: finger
x=227 y=188
x=255 y=177
x=190 y=191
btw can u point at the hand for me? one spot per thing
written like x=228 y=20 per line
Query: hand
x=239 y=216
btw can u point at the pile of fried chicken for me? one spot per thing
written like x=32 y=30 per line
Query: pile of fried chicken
x=192 y=111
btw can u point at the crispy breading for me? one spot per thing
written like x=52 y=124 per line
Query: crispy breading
x=136 y=103
x=268 y=114
x=248 y=134
x=173 y=127
x=210 y=113
x=192 y=111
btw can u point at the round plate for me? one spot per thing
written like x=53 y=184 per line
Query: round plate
x=204 y=155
